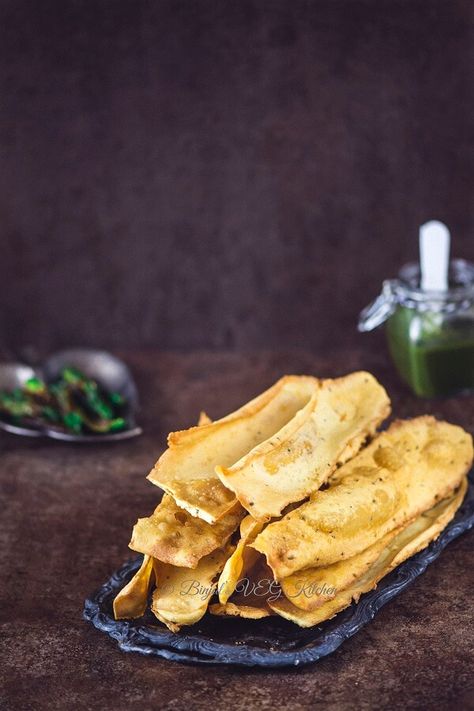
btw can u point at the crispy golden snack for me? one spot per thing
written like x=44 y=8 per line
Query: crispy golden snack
x=132 y=599
x=182 y=595
x=402 y=473
x=204 y=419
x=383 y=504
x=186 y=470
x=251 y=593
x=173 y=536
x=242 y=558
x=300 y=457
x=248 y=612
x=311 y=588
x=413 y=538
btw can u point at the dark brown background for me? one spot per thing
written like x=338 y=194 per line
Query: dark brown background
x=193 y=173
x=234 y=176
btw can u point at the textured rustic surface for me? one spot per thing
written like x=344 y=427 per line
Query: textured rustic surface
x=67 y=512
x=167 y=165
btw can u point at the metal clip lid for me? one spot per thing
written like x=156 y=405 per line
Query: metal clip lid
x=380 y=309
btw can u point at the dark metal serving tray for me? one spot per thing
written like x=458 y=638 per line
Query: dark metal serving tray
x=272 y=641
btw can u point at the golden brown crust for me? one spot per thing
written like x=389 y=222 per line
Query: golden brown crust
x=131 y=601
x=186 y=470
x=299 y=458
x=427 y=461
x=173 y=536
x=413 y=538
x=182 y=596
x=382 y=504
x=247 y=612
x=240 y=560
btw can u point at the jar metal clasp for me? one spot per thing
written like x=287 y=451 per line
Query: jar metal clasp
x=380 y=309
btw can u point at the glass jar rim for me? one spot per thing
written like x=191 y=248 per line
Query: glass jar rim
x=461 y=280
x=405 y=291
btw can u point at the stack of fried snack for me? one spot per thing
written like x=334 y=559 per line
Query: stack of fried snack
x=293 y=505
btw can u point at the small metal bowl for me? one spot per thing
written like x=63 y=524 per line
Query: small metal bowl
x=15 y=375
x=105 y=368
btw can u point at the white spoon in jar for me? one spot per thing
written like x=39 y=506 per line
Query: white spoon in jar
x=434 y=256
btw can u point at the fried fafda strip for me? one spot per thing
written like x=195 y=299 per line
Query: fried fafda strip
x=412 y=539
x=182 y=595
x=300 y=457
x=248 y=612
x=173 y=536
x=403 y=472
x=311 y=588
x=131 y=601
x=204 y=419
x=186 y=470
x=241 y=559
x=250 y=594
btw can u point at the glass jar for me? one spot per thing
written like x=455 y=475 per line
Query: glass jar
x=430 y=335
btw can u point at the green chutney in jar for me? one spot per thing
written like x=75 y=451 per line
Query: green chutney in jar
x=430 y=335
x=439 y=361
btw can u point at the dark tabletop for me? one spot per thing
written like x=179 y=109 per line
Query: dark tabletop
x=67 y=513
